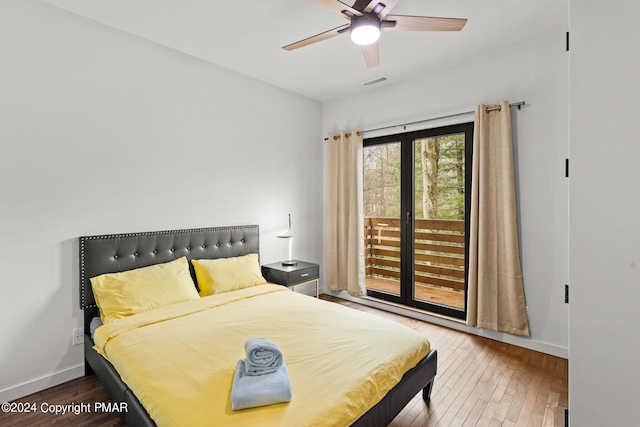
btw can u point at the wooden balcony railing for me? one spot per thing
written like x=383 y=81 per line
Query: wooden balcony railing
x=439 y=254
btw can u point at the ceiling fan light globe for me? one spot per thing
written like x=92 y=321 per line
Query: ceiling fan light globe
x=365 y=34
x=365 y=29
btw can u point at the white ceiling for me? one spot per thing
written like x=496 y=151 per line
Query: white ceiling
x=247 y=36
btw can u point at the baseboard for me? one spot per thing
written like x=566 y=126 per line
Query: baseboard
x=528 y=343
x=25 y=389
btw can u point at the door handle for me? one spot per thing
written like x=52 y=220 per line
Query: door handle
x=408 y=220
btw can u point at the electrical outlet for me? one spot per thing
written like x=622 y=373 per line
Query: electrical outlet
x=78 y=336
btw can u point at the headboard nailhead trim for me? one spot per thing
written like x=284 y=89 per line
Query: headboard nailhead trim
x=82 y=298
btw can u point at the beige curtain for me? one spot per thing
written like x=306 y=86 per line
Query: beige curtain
x=495 y=298
x=345 y=222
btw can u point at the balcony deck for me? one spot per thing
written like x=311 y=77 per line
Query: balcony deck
x=443 y=296
x=439 y=270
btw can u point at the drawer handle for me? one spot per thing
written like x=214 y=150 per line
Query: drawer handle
x=304 y=275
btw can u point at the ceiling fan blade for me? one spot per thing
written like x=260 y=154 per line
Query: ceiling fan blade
x=362 y=5
x=371 y=54
x=422 y=23
x=337 y=6
x=386 y=5
x=317 y=38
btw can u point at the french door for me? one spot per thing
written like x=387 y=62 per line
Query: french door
x=416 y=204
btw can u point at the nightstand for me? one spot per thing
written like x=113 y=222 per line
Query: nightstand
x=292 y=275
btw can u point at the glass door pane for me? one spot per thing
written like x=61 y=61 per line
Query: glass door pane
x=439 y=220
x=382 y=209
x=415 y=205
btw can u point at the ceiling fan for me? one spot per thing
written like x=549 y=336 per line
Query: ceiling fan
x=368 y=17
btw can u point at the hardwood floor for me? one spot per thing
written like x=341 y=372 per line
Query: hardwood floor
x=81 y=390
x=480 y=382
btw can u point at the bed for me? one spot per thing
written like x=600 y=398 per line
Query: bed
x=375 y=405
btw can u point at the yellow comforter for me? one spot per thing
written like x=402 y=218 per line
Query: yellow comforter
x=180 y=359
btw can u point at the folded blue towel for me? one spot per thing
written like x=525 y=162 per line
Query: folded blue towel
x=263 y=356
x=249 y=391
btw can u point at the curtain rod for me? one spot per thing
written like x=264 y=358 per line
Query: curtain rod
x=492 y=108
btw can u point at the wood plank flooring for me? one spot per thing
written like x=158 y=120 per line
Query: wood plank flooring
x=81 y=390
x=480 y=382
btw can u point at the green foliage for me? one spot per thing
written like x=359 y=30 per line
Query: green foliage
x=382 y=179
x=381 y=168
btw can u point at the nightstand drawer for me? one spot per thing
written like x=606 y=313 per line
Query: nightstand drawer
x=310 y=273
x=290 y=275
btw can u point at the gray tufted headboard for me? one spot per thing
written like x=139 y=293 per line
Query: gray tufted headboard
x=113 y=253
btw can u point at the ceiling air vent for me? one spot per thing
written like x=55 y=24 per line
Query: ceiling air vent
x=375 y=81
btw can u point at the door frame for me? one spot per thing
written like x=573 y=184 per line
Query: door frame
x=407 y=219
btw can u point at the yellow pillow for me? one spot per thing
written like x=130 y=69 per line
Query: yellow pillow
x=216 y=276
x=120 y=295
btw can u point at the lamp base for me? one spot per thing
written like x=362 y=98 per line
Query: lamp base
x=289 y=263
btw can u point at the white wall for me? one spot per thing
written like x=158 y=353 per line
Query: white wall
x=103 y=132
x=535 y=72
x=604 y=368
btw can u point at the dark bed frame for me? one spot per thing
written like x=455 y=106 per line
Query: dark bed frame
x=121 y=252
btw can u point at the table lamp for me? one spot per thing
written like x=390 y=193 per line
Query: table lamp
x=286 y=235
